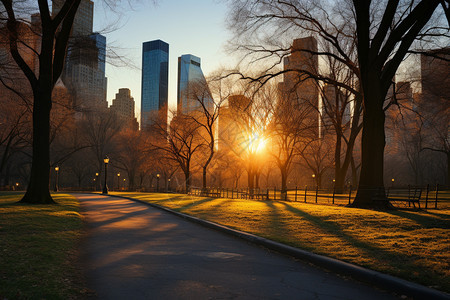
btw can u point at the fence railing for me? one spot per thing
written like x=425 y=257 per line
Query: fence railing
x=423 y=197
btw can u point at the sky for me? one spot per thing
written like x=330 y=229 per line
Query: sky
x=189 y=27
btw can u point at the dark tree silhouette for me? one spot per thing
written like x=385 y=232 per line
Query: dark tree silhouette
x=54 y=36
x=384 y=32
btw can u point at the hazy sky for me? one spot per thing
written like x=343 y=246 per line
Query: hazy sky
x=189 y=27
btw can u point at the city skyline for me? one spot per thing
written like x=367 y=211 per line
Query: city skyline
x=154 y=87
x=191 y=81
x=195 y=27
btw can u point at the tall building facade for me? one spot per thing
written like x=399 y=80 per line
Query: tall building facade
x=84 y=72
x=155 y=81
x=84 y=18
x=191 y=85
x=296 y=86
x=123 y=107
x=435 y=79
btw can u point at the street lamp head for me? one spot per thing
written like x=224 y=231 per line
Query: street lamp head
x=106 y=160
x=169 y=179
x=157 y=175
x=118 y=174
x=17 y=184
x=96 y=174
x=313 y=175
x=56 y=168
x=334 y=180
x=392 y=179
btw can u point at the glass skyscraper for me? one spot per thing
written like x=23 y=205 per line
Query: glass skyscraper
x=155 y=78
x=84 y=71
x=189 y=74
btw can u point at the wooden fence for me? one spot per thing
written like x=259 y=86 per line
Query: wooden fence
x=417 y=197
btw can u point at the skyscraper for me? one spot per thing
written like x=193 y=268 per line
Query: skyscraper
x=84 y=71
x=301 y=60
x=296 y=86
x=84 y=18
x=123 y=107
x=191 y=84
x=155 y=79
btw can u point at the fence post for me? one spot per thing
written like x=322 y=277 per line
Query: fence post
x=295 y=193
x=409 y=195
x=317 y=191
x=350 y=195
x=334 y=192
x=306 y=188
x=437 y=192
x=426 y=197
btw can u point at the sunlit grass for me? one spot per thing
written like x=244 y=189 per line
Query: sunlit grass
x=38 y=249
x=414 y=245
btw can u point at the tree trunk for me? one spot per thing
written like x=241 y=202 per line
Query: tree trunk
x=251 y=179
x=204 y=178
x=38 y=187
x=187 y=177
x=371 y=193
x=283 y=180
x=354 y=172
x=339 y=175
x=448 y=170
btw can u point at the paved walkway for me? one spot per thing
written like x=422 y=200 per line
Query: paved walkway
x=134 y=251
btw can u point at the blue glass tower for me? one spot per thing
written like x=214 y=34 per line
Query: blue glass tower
x=189 y=74
x=155 y=78
x=100 y=42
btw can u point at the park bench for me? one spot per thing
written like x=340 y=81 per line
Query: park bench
x=259 y=196
x=214 y=194
x=411 y=195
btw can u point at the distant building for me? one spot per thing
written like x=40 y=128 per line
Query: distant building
x=84 y=18
x=155 y=81
x=296 y=86
x=435 y=79
x=123 y=107
x=84 y=71
x=191 y=85
x=237 y=111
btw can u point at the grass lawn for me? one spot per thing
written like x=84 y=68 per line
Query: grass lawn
x=38 y=247
x=414 y=245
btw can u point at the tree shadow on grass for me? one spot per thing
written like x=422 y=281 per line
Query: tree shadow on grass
x=370 y=249
x=275 y=218
x=193 y=204
x=434 y=220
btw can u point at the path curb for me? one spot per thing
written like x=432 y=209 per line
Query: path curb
x=383 y=281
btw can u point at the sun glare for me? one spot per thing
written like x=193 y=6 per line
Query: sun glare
x=256 y=143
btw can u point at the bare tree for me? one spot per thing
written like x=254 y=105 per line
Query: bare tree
x=177 y=142
x=206 y=117
x=289 y=127
x=384 y=32
x=53 y=39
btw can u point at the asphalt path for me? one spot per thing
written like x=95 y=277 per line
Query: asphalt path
x=134 y=251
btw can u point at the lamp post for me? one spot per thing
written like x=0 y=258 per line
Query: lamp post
x=57 y=175
x=157 y=182
x=392 y=182
x=314 y=178
x=168 y=185
x=118 y=182
x=105 y=187
x=95 y=181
